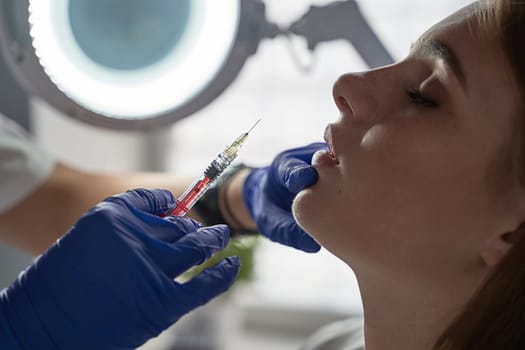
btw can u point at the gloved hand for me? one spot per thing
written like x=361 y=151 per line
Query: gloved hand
x=108 y=283
x=268 y=193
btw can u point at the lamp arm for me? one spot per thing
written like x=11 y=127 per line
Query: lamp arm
x=342 y=20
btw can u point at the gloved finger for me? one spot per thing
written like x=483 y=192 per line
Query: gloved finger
x=294 y=170
x=299 y=178
x=209 y=284
x=155 y=202
x=292 y=235
x=306 y=243
x=192 y=249
x=304 y=153
x=281 y=227
x=171 y=228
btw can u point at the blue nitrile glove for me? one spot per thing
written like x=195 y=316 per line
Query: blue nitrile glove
x=269 y=192
x=108 y=283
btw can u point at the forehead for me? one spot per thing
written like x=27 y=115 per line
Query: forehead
x=465 y=32
x=490 y=86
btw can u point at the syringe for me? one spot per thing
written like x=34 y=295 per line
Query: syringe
x=214 y=170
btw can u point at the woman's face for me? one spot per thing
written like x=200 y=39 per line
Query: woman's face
x=419 y=150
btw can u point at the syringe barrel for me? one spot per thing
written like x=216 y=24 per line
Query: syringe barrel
x=197 y=189
x=192 y=194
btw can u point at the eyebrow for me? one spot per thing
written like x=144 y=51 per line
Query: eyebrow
x=438 y=49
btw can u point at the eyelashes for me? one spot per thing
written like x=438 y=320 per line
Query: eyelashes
x=417 y=98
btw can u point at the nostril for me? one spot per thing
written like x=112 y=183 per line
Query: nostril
x=343 y=104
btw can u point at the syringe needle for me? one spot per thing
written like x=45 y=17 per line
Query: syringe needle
x=254 y=125
x=234 y=147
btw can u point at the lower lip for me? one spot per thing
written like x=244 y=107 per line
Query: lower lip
x=324 y=159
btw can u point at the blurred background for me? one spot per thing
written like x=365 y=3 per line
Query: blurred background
x=290 y=293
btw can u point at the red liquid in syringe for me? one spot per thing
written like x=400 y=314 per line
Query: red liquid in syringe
x=190 y=197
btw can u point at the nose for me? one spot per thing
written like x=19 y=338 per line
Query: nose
x=352 y=96
x=369 y=96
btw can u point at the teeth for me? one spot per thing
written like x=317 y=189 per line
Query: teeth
x=331 y=149
x=328 y=139
x=333 y=156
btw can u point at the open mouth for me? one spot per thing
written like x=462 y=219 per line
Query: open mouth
x=329 y=141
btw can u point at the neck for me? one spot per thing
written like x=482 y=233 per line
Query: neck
x=408 y=317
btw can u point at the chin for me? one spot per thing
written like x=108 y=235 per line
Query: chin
x=305 y=210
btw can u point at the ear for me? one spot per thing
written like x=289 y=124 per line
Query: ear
x=497 y=246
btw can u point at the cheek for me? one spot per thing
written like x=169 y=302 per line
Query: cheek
x=392 y=197
x=406 y=190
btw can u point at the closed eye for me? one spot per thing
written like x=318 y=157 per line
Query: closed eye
x=416 y=97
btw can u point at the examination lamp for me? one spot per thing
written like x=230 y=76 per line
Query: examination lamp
x=137 y=64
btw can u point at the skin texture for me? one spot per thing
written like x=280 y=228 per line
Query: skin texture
x=420 y=200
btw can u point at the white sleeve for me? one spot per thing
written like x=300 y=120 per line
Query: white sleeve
x=23 y=167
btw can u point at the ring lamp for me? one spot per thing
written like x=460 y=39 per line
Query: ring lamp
x=149 y=62
x=129 y=64
x=137 y=64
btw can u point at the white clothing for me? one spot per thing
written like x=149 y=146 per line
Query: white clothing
x=342 y=335
x=23 y=167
